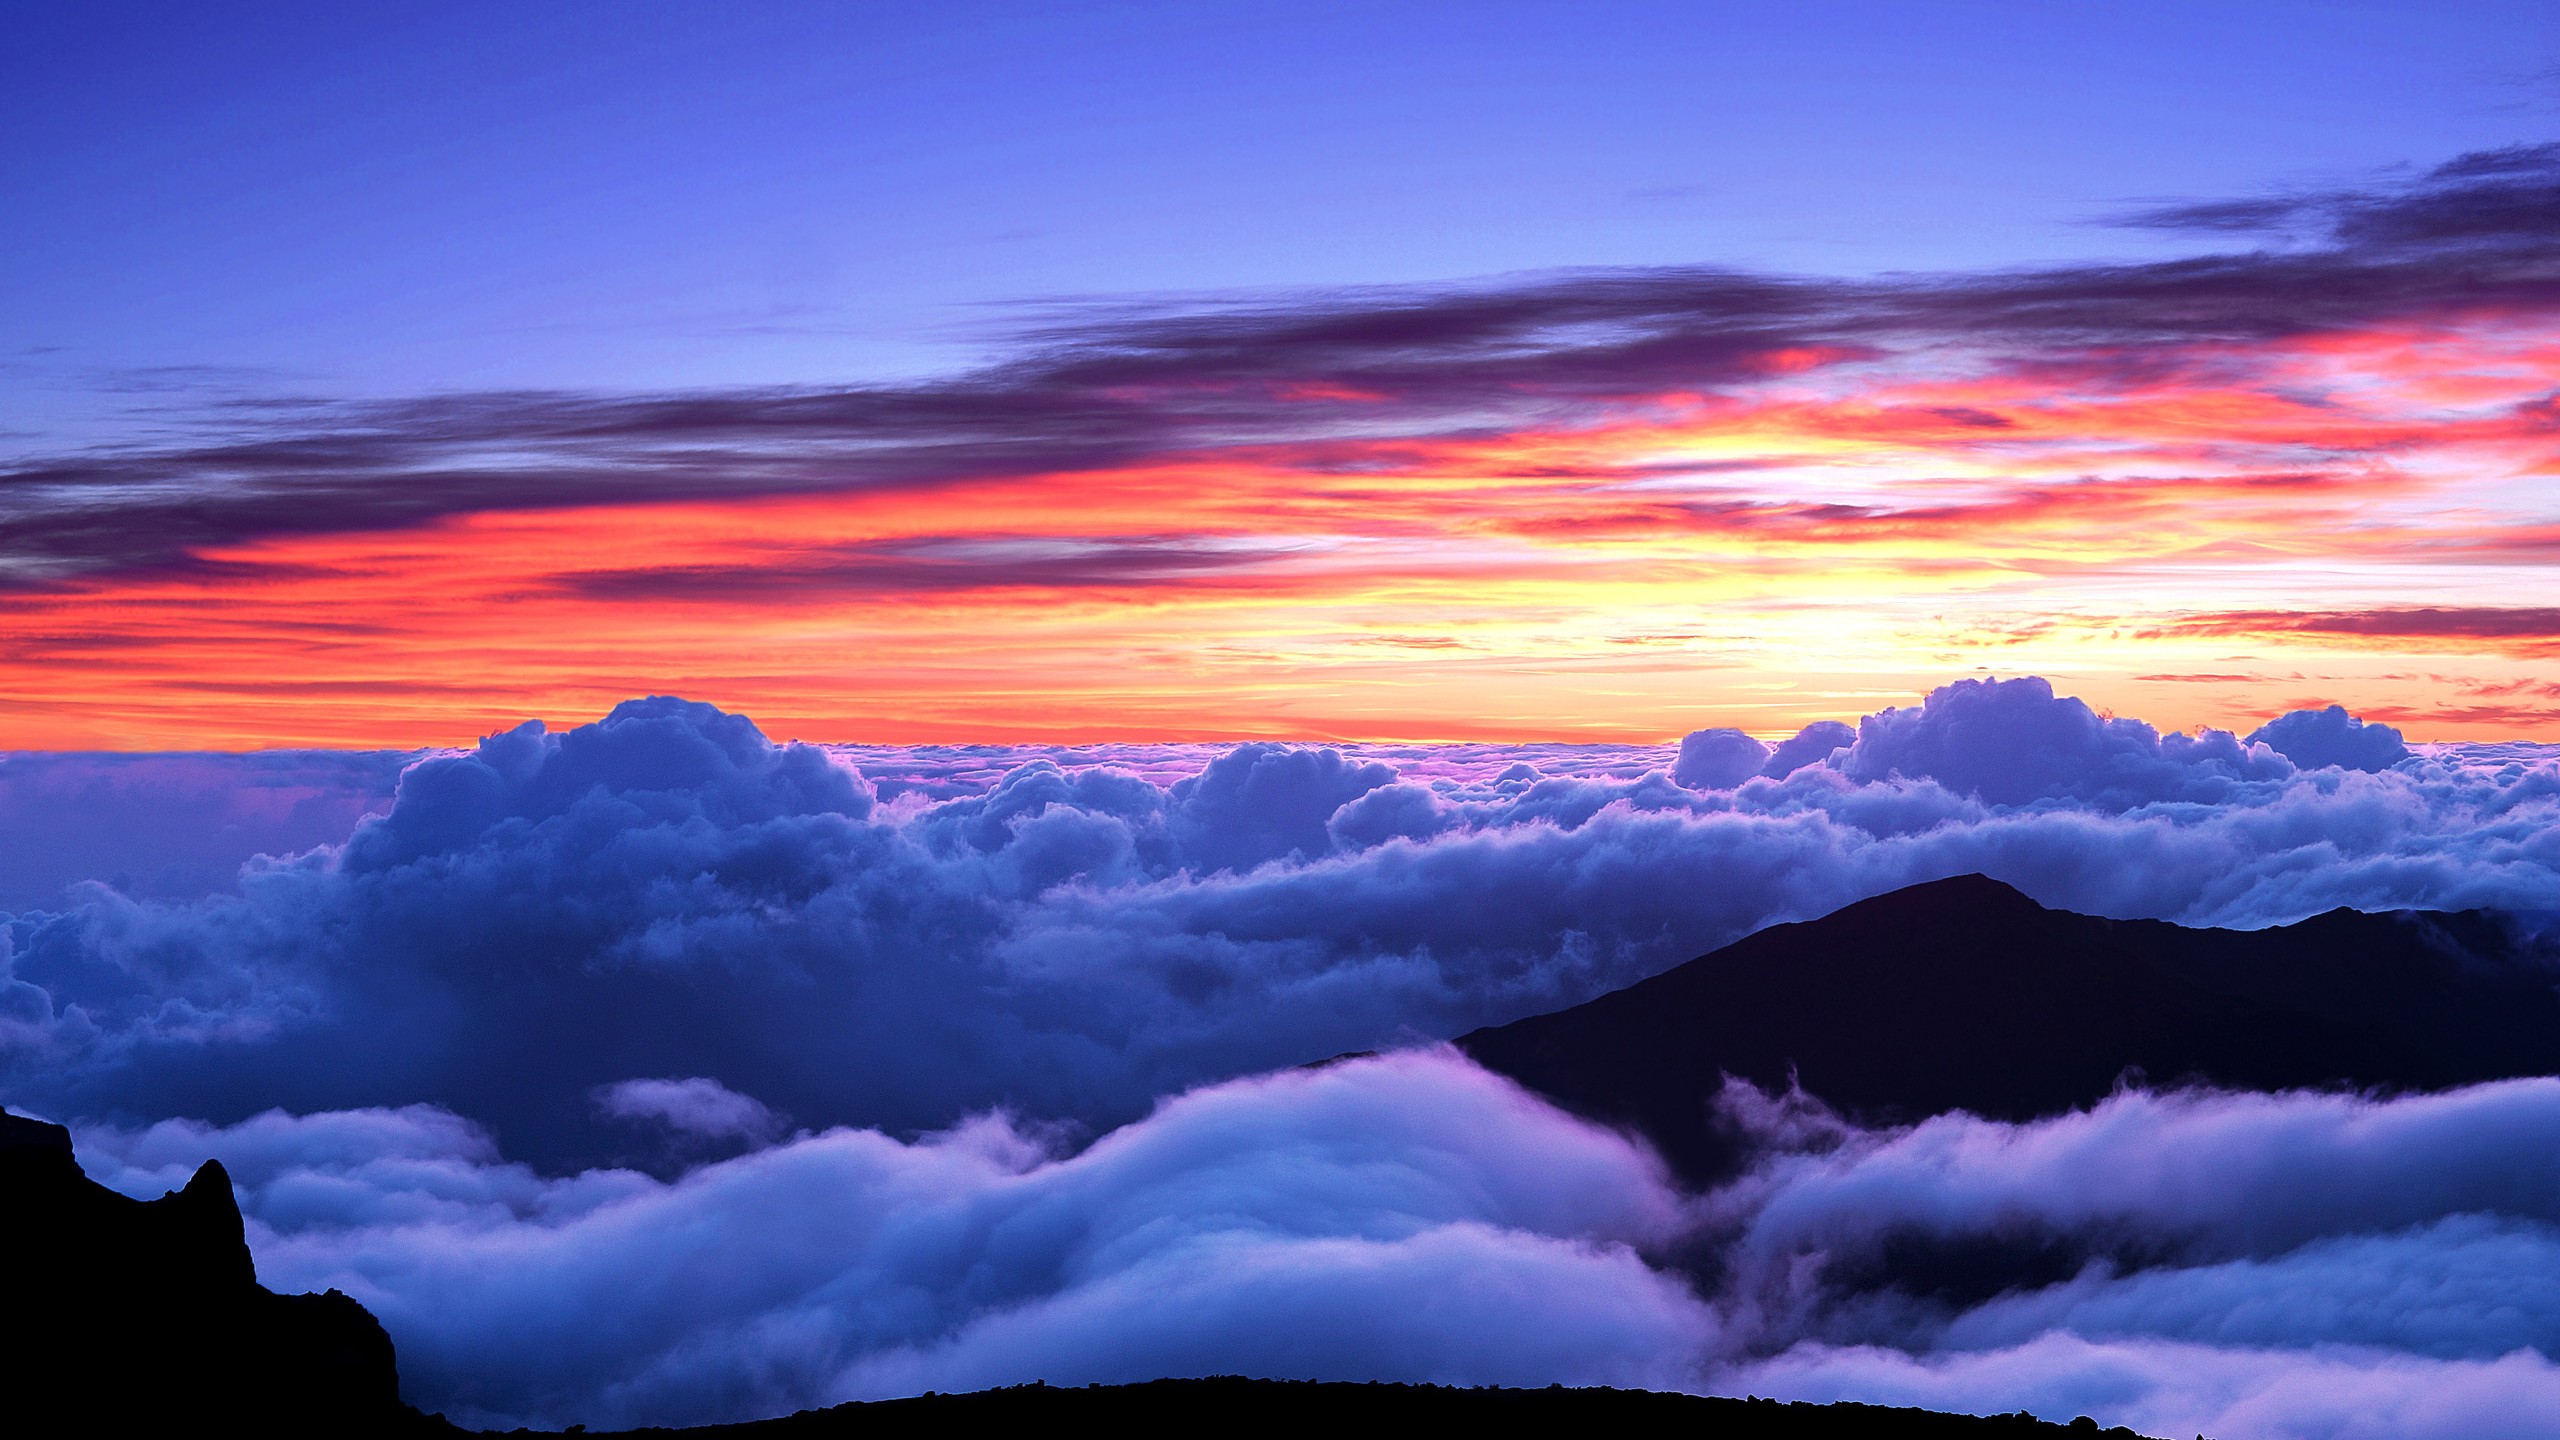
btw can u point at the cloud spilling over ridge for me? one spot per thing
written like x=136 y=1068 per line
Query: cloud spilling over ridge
x=668 y=894
x=1410 y=1217
x=2234 y=1265
x=2247 y=1266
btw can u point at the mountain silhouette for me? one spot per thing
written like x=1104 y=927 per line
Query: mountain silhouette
x=1231 y=1405
x=125 y=1316
x=1964 y=994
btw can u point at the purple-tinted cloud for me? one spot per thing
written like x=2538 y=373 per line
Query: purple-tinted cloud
x=1409 y=1217
x=2238 y=1265
x=2014 y=742
x=1718 y=759
x=666 y=893
x=695 y=1107
x=1113 y=385
x=2251 y=1266
x=173 y=827
x=2315 y=739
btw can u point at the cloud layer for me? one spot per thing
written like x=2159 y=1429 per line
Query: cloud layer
x=2252 y=1267
x=1410 y=1217
x=667 y=895
x=528 y=1054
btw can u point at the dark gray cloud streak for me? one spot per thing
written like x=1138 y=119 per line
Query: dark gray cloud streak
x=1102 y=385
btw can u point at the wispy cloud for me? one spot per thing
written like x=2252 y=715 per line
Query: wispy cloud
x=2355 y=416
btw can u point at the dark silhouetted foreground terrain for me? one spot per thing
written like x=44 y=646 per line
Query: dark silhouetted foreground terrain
x=1964 y=994
x=1228 y=1405
x=126 y=1316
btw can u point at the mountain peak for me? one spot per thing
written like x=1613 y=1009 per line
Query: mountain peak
x=150 y=1311
x=1965 y=994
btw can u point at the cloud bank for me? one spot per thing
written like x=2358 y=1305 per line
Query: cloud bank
x=2246 y=1266
x=667 y=895
x=170 y=827
x=1410 y=1216
x=744 y=1076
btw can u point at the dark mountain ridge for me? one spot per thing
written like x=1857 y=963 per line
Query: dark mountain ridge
x=125 y=1316
x=1964 y=994
x=1232 y=1405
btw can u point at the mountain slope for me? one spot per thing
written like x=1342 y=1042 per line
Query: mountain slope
x=145 y=1317
x=1965 y=994
x=1230 y=1405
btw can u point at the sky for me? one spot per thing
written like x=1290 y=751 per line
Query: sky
x=1156 y=373
x=1285 y=531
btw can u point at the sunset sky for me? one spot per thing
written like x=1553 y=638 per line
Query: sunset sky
x=1454 y=374
x=765 y=704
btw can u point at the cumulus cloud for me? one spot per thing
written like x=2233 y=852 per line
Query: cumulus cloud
x=2316 y=738
x=2014 y=742
x=1263 y=802
x=1812 y=745
x=1072 y=935
x=1718 y=759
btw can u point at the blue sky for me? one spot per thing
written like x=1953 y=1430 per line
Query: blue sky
x=1302 y=370
x=382 y=200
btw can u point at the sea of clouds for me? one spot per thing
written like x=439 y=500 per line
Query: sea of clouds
x=652 y=1071
x=2233 y=1265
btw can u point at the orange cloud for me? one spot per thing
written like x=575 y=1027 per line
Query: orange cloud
x=1630 y=538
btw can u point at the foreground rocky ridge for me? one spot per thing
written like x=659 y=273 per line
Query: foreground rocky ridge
x=135 y=1316
x=1228 y=1404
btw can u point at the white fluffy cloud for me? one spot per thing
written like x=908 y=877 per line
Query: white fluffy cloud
x=1407 y=1217
x=522 y=1024
x=2291 y=1267
x=668 y=894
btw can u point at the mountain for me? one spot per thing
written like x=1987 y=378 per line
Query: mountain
x=140 y=1317
x=1231 y=1405
x=1964 y=994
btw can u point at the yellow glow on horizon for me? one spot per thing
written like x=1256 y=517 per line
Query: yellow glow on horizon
x=1668 y=562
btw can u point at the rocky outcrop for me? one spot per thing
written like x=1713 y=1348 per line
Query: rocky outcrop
x=127 y=1316
x=1232 y=1405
